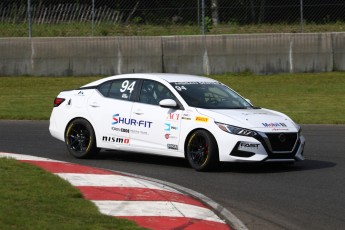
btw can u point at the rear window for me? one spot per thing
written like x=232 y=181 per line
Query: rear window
x=122 y=89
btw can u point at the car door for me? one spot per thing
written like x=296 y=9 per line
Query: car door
x=158 y=128
x=110 y=108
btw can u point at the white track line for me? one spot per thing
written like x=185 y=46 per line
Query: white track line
x=155 y=208
x=99 y=180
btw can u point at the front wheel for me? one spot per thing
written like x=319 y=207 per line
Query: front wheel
x=202 y=151
x=80 y=139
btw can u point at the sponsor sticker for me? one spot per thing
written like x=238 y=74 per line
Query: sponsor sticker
x=169 y=136
x=115 y=140
x=132 y=122
x=280 y=129
x=132 y=131
x=120 y=129
x=173 y=116
x=186 y=116
x=201 y=119
x=169 y=127
x=196 y=83
x=172 y=146
x=274 y=125
x=244 y=146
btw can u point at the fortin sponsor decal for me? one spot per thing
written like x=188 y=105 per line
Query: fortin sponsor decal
x=201 y=119
x=128 y=121
x=274 y=125
x=169 y=127
x=115 y=140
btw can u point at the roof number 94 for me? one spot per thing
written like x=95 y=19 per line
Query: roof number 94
x=179 y=88
x=126 y=85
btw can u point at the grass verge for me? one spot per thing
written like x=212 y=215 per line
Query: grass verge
x=32 y=198
x=308 y=98
x=109 y=29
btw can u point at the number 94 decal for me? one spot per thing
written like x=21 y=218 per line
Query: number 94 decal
x=127 y=86
x=180 y=88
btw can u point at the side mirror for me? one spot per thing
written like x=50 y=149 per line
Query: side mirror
x=168 y=103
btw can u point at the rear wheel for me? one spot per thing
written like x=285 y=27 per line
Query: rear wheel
x=202 y=151
x=80 y=139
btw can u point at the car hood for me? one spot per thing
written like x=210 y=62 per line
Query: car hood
x=256 y=119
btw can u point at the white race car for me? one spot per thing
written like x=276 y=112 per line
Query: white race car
x=175 y=115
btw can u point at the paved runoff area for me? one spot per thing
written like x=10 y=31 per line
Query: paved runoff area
x=150 y=204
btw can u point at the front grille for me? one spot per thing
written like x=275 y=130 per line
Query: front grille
x=284 y=155
x=282 y=142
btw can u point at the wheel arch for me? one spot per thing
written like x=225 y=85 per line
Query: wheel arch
x=81 y=141
x=190 y=134
x=75 y=118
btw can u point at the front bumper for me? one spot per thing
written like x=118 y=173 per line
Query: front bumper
x=268 y=147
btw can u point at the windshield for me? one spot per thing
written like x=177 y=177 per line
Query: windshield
x=210 y=95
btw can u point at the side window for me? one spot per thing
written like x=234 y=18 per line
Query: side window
x=118 y=89
x=153 y=92
x=104 y=88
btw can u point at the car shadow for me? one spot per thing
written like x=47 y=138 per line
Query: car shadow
x=275 y=167
x=142 y=158
x=259 y=167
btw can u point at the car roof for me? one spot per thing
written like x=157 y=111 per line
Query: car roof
x=169 y=77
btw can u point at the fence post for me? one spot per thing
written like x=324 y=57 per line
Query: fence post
x=203 y=16
x=198 y=14
x=301 y=7
x=29 y=18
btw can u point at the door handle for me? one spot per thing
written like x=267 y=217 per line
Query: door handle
x=94 y=104
x=138 y=113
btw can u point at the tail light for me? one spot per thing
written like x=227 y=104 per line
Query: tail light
x=58 y=101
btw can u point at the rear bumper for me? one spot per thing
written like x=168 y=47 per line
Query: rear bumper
x=55 y=129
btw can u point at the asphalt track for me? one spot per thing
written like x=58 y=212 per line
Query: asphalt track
x=307 y=195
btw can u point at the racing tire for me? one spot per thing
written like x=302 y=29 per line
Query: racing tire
x=202 y=151
x=80 y=139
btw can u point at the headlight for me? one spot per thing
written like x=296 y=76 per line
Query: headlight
x=237 y=130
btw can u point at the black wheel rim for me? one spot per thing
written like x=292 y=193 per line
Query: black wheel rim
x=79 y=138
x=198 y=150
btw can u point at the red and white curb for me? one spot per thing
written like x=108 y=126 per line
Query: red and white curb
x=150 y=204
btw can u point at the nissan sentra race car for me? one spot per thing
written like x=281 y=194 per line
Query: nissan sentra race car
x=176 y=115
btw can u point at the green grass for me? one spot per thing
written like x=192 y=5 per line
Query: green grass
x=310 y=98
x=108 y=29
x=31 y=98
x=31 y=198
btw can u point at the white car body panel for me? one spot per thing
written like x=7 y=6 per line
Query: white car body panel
x=146 y=128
